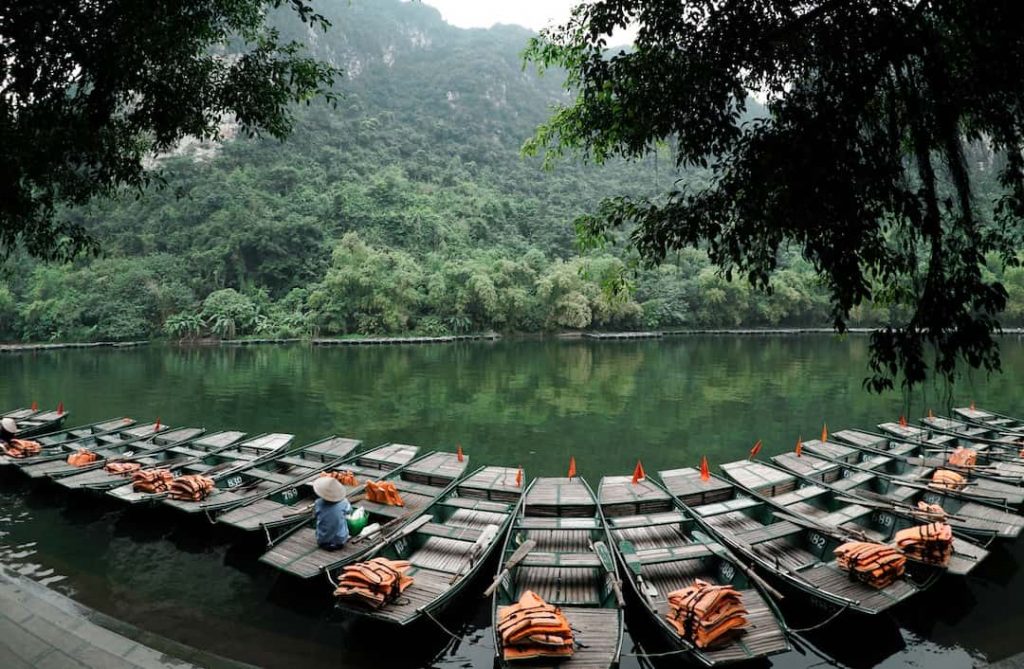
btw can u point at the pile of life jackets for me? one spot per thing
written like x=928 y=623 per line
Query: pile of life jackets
x=963 y=457
x=191 y=487
x=22 y=448
x=82 y=457
x=877 y=565
x=532 y=628
x=932 y=510
x=122 y=468
x=345 y=478
x=383 y=492
x=152 y=480
x=706 y=614
x=374 y=583
x=931 y=543
x=943 y=478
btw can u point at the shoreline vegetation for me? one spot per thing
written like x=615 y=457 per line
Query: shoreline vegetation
x=361 y=340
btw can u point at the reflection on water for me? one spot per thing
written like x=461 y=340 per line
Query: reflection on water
x=531 y=403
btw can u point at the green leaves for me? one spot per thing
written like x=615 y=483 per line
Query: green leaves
x=859 y=159
x=90 y=90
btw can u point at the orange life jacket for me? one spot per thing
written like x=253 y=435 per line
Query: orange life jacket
x=345 y=478
x=943 y=478
x=21 y=448
x=374 y=583
x=706 y=614
x=877 y=565
x=122 y=468
x=82 y=457
x=531 y=628
x=963 y=457
x=191 y=488
x=383 y=492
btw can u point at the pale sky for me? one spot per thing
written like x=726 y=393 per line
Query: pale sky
x=534 y=14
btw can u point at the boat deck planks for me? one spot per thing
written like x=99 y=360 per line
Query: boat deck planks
x=387 y=457
x=436 y=469
x=496 y=483
x=264 y=512
x=686 y=484
x=100 y=478
x=560 y=497
x=620 y=497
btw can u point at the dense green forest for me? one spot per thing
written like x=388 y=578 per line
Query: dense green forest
x=407 y=208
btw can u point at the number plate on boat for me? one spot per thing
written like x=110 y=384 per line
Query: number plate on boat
x=290 y=494
x=233 y=481
x=727 y=572
x=817 y=540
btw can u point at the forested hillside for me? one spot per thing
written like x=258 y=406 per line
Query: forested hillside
x=407 y=208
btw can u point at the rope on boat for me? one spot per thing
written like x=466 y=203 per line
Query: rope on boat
x=824 y=622
x=455 y=636
x=213 y=521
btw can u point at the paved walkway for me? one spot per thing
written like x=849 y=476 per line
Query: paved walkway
x=40 y=628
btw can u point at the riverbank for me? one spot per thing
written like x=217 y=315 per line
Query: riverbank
x=450 y=339
x=41 y=628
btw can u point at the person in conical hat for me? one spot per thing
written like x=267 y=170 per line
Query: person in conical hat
x=8 y=429
x=332 y=511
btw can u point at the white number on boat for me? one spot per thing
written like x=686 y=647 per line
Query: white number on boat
x=726 y=571
x=817 y=540
x=290 y=494
x=234 y=480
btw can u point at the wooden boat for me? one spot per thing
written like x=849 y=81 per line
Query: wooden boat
x=420 y=484
x=55 y=459
x=559 y=548
x=51 y=443
x=212 y=463
x=798 y=555
x=993 y=455
x=947 y=434
x=914 y=463
x=835 y=512
x=974 y=519
x=662 y=549
x=168 y=457
x=290 y=504
x=32 y=422
x=236 y=486
x=448 y=545
x=108 y=449
x=990 y=420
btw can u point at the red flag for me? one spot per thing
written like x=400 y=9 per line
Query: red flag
x=60 y=408
x=930 y=414
x=156 y=428
x=824 y=433
x=638 y=473
x=705 y=475
x=903 y=421
x=799 y=446
x=35 y=406
x=458 y=453
x=755 y=450
x=519 y=477
x=572 y=466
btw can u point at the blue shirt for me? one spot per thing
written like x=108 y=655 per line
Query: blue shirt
x=331 y=523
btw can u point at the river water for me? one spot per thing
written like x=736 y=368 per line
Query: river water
x=530 y=403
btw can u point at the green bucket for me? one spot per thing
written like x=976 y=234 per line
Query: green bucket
x=357 y=521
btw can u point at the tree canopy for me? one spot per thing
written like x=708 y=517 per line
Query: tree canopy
x=861 y=162
x=88 y=90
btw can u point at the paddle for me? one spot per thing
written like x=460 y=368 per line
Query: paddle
x=518 y=556
x=486 y=536
x=832 y=530
x=605 y=556
x=890 y=505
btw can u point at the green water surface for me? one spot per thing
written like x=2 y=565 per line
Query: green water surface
x=531 y=403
